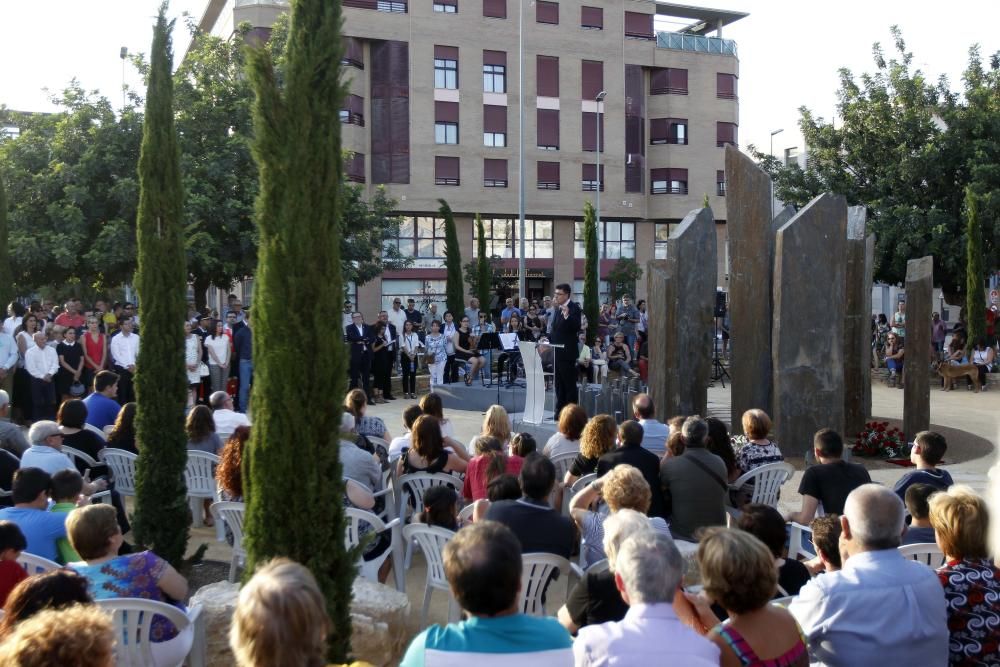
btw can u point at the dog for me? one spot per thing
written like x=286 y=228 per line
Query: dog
x=951 y=372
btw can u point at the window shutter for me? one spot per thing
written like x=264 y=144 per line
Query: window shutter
x=355 y=167
x=668 y=80
x=446 y=112
x=659 y=174
x=547 y=12
x=592 y=17
x=720 y=176
x=659 y=130
x=445 y=52
x=494 y=118
x=592 y=78
x=495 y=8
x=547 y=76
x=495 y=58
x=495 y=170
x=446 y=168
x=548 y=172
x=677 y=80
x=725 y=86
x=548 y=127
x=678 y=175
x=589 y=131
x=354 y=53
x=639 y=26
x=725 y=133
x=590 y=172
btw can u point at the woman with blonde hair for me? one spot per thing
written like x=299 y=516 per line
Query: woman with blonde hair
x=78 y=636
x=599 y=437
x=961 y=523
x=496 y=424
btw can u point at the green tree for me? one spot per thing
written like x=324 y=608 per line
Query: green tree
x=975 y=297
x=6 y=275
x=162 y=516
x=482 y=284
x=299 y=221
x=368 y=225
x=591 y=269
x=454 y=290
x=623 y=277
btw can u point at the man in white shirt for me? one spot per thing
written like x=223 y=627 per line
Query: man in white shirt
x=124 y=352
x=397 y=318
x=46 y=453
x=654 y=433
x=410 y=415
x=648 y=572
x=226 y=419
x=42 y=362
x=8 y=361
x=879 y=604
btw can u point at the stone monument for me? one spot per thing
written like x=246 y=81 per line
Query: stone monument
x=917 y=346
x=748 y=205
x=857 y=325
x=808 y=325
x=682 y=290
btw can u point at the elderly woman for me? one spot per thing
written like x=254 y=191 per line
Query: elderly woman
x=599 y=438
x=623 y=487
x=427 y=453
x=491 y=461
x=93 y=531
x=738 y=574
x=983 y=357
x=572 y=421
x=620 y=356
x=971 y=582
x=596 y=599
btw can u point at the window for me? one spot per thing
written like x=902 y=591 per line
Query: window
x=494 y=173
x=494 y=72
x=725 y=133
x=668 y=131
x=354 y=167
x=424 y=292
x=353 y=112
x=592 y=79
x=419 y=237
x=592 y=18
x=547 y=12
x=548 y=175
x=668 y=181
x=603 y=290
x=639 y=26
x=501 y=238
x=446 y=6
x=547 y=76
x=720 y=183
x=353 y=53
x=791 y=155
x=446 y=67
x=589 y=179
x=396 y=6
x=445 y=133
x=494 y=126
x=496 y=9
x=445 y=172
x=725 y=86
x=614 y=240
x=589 y=131
x=668 y=81
x=661 y=233
x=548 y=129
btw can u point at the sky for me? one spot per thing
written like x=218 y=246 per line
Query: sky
x=790 y=51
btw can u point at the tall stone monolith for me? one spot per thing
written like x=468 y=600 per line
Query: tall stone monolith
x=682 y=291
x=748 y=222
x=917 y=346
x=808 y=328
x=857 y=325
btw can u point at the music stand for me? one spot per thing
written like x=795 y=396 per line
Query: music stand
x=488 y=342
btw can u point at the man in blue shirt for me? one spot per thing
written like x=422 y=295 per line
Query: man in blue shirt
x=927 y=451
x=31 y=499
x=102 y=408
x=483 y=566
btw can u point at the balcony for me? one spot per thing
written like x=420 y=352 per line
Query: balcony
x=698 y=43
x=394 y=6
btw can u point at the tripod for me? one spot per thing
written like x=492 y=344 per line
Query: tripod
x=719 y=371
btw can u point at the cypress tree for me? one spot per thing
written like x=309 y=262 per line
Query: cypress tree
x=161 y=510
x=484 y=273
x=975 y=301
x=591 y=270
x=454 y=289
x=292 y=473
x=6 y=272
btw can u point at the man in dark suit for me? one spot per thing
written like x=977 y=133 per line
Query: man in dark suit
x=565 y=327
x=359 y=337
x=631 y=452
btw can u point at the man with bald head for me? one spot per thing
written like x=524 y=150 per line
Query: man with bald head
x=879 y=604
x=654 y=433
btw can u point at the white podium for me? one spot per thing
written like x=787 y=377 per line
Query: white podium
x=534 y=393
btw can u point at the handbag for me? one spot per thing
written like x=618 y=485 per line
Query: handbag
x=203 y=369
x=430 y=358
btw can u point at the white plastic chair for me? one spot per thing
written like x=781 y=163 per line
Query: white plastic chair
x=465 y=514
x=33 y=564
x=783 y=602
x=928 y=553
x=536 y=571
x=132 y=618
x=563 y=462
x=74 y=453
x=199 y=477
x=798 y=537
x=432 y=540
x=103 y=433
x=767 y=481
x=414 y=485
x=232 y=514
x=576 y=488
x=355 y=518
x=599 y=566
x=122 y=466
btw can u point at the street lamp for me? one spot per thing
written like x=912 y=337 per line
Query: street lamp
x=771 y=152
x=600 y=181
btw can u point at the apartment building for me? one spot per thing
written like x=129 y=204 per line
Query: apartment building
x=434 y=112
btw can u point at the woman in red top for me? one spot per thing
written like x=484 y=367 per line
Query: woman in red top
x=95 y=352
x=489 y=463
x=12 y=543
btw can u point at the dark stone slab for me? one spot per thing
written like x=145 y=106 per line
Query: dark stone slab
x=751 y=240
x=808 y=326
x=682 y=289
x=917 y=346
x=857 y=325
